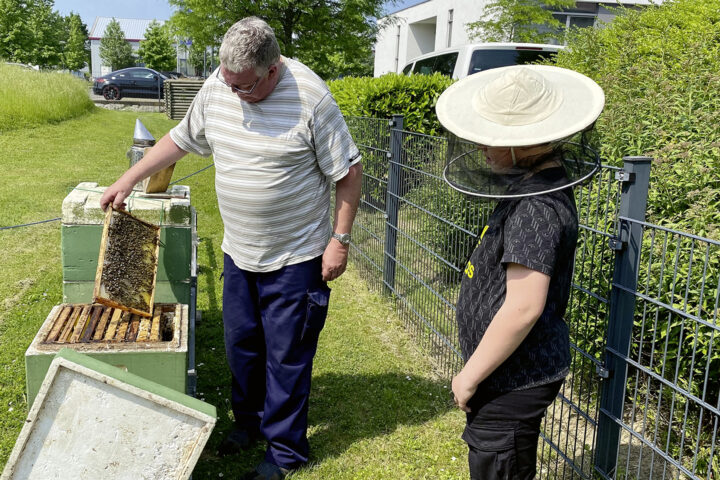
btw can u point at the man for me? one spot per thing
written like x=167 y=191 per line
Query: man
x=279 y=141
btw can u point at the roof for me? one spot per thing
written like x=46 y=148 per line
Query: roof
x=133 y=28
x=607 y=2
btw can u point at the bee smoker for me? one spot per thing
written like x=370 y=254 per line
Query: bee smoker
x=142 y=139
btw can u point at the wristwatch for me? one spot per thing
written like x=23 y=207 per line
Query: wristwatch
x=343 y=238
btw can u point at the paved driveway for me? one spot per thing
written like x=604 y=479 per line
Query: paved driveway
x=129 y=103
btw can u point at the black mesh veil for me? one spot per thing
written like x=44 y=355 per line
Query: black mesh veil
x=520 y=172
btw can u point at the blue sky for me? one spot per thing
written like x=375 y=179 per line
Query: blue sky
x=89 y=9
x=158 y=9
x=400 y=5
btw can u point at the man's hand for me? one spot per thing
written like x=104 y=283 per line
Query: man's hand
x=163 y=154
x=116 y=194
x=463 y=389
x=334 y=260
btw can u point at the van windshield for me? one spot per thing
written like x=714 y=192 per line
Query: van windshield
x=487 y=59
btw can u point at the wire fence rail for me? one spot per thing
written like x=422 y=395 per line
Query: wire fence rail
x=9 y=227
x=642 y=400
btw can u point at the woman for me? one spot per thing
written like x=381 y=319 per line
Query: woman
x=517 y=282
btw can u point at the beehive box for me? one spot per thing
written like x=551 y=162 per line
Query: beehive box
x=155 y=348
x=93 y=421
x=81 y=235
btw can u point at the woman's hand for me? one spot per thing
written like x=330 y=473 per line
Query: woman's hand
x=463 y=389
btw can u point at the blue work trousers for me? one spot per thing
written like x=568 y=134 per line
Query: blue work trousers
x=272 y=324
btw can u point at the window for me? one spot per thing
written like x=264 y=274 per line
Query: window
x=582 y=22
x=141 y=74
x=487 y=59
x=444 y=64
x=397 y=49
x=449 y=28
x=407 y=69
x=424 y=66
x=575 y=20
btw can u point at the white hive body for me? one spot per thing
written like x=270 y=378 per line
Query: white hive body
x=93 y=421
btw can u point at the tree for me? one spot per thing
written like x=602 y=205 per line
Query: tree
x=31 y=32
x=14 y=35
x=114 y=49
x=196 y=59
x=200 y=57
x=518 y=21
x=157 y=51
x=77 y=51
x=48 y=32
x=333 y=37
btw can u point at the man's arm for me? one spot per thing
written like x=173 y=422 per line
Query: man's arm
x=524 y=303
x=347 y=198
x=164 y=153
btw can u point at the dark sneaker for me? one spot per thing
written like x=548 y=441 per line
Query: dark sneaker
x=266 y=471
x=237 y=441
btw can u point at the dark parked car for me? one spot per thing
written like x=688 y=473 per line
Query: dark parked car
x=173 y=75
x=129 y=82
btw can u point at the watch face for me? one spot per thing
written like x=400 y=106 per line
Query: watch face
x=343 y=238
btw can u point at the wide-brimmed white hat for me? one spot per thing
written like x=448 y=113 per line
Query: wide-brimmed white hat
x=520 y=105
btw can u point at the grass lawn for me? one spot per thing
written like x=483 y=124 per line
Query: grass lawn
x=376 y=410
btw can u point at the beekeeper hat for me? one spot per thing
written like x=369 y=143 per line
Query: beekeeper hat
x=520 y=105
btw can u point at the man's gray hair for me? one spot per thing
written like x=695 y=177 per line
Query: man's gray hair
x=249 y=43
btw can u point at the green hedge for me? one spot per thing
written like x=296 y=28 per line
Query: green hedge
x=29 y=98
x=659 y=67
x=412 y=96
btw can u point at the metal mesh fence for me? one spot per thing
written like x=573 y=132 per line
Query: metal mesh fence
x=436 y=229
x=669 y=423
x=413 y=236
x=413 y=242
x=372 y=136
x=569 y=428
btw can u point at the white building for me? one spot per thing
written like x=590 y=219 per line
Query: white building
x=436 y=24
x=134 y=31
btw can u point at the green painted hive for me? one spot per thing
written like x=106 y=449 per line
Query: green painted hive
x=154 y=348
x=81 y=233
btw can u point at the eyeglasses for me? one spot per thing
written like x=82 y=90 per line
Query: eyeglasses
x=236 y=89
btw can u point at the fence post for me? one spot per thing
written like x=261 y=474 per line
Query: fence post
x=391 y=202
x=633 y=202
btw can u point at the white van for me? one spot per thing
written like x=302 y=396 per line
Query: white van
x=461 y=61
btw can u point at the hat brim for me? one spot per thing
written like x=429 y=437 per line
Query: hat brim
x=582 y=102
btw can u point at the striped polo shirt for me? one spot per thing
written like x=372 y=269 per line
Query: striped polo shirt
x=275 y=162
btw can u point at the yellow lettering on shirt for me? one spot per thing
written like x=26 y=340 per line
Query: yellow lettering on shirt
x=483 y=233
x=470 y=270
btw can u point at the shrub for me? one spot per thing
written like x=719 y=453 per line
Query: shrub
x=660 y=68
x=412 y=96
x=29 y=98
